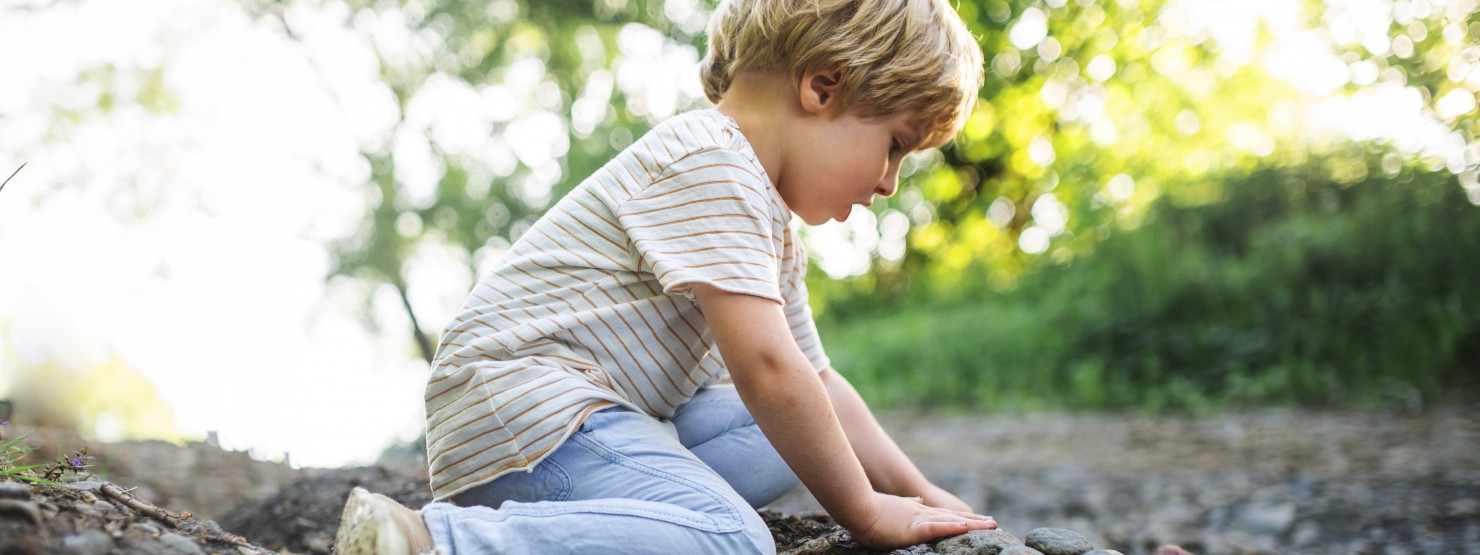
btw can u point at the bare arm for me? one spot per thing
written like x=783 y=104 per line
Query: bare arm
x=791 y=406
x=888 y=468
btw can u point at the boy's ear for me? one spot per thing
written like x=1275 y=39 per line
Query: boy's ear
x=819 y=89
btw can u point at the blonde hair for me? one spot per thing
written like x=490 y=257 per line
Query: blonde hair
x=895 y=55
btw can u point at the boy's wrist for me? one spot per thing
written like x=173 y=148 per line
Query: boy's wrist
x=859 y=514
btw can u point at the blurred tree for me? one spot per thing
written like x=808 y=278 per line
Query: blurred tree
x=555 y=105
x=1091 y=111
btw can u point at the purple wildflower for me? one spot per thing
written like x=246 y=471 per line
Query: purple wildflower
x=77 y=461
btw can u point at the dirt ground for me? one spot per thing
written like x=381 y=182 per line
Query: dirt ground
x=1265 y=482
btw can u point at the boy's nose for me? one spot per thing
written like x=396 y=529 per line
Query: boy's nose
x=889 y=185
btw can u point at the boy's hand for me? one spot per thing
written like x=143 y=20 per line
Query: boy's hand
x=905 y=521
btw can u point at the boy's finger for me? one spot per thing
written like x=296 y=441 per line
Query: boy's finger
x=972 y=516
x=942 y=528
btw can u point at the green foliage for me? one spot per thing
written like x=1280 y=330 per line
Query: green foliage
x=1292 y=288
x=1103 y=89
x=12 y=454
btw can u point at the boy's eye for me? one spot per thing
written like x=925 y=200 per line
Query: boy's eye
x=895 y=147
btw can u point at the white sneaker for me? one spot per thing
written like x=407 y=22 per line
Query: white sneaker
x=374 y=524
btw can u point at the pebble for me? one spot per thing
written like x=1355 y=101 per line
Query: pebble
x=1020 y=550
x=978 y=542
x=15 y=490
x=90 y=542
x=87 y=485
x=1306 y=533
x=1057 y=541
x=24 y=508
x=1264 y=519
x=88 y=509
x=920 y=549
x=180 y=544
x=1464 y=507
x=148 y=528
x=1103 y=552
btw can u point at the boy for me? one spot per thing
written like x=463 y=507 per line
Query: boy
x=576 y=403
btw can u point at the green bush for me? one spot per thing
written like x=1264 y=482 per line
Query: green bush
x=1292 y=290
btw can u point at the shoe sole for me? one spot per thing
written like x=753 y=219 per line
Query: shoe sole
x=366 y=528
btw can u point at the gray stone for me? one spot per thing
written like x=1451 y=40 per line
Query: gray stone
x=1306 y=533
x=87 y=485
x=1057 y=541
x=15 y=490
x=1103 y=552
x=1463 y=507
x=22 y=508
x=1020 y=550
x=180 y=544
x=978 y=542
x=920 y=549
x=148 y=528
x=1264 y=519
x=86 y=508
x=89 y=542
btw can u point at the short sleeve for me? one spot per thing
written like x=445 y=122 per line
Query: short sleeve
x=798 y=311
x=707 y=219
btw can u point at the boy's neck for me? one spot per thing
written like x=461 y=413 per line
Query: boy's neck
x=763 y=105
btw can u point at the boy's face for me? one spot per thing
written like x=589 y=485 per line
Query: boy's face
x=838 y=162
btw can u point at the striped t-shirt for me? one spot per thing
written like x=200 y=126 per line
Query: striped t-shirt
x=591 y=307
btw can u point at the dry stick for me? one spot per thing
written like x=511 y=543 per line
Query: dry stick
x=174 y=521
x=133 y=503
x=12 y=175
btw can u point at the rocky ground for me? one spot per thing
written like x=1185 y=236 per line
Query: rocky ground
x=1271 y=482
x=1256 y=482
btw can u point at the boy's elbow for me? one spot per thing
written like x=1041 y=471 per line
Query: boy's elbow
x=763 y=364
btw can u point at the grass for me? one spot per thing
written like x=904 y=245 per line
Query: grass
x=1292 y=291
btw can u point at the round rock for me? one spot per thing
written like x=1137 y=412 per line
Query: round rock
x=1057 y=541
x=1020 y=550
x=180 y=544
x=15 y=490
x=1103 y=552
x=978 y=542
x=86 y=485
x=88 y=542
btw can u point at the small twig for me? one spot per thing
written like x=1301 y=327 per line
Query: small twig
x=134 y=503
x=173 y=520
x=12 y=175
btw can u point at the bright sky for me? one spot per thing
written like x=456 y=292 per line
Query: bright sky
x=218 y=296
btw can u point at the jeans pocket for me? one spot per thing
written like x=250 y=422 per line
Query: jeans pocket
x=547 y=481
x=554 y=479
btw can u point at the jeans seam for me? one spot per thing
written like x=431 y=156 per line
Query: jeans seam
x=607 y=453
x=581 y=507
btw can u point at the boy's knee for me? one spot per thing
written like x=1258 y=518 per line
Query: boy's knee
x=756 y=537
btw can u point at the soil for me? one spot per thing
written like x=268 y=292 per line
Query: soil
x=1241 y=483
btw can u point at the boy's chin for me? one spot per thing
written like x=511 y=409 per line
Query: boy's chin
x=816 y=219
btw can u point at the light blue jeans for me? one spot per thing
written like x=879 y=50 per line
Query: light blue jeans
x=629 y=483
